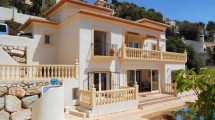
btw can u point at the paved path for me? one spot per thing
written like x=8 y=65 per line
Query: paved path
x=137 y=113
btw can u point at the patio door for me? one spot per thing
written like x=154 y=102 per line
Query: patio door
x=155 y=80
x=102 y=81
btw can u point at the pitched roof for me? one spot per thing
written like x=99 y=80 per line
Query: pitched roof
x=61 y=2
x=209 y=44
x=104 y=16
x=144 y=20
x=31 y=20
x=99 y=15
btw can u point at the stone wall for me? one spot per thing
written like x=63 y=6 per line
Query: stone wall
x=16 y=98
x=18 y=53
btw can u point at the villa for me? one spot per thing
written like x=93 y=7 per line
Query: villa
x=110 y=60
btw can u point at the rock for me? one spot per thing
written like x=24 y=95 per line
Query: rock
x=33 y=90
x=19 y=60
x=27 y=101
x=4 y=115
x=15 y=47
x=21 y=48
x=3 y=85
x=12 y=103
x=8 y=85
x=19 y=92
x=1 y=103
x=24 y=114
x=10 y=47
x=3 y=91
x=17 y=53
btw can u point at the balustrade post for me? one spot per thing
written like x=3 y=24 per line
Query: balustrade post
x=175 y=88
x=161 y=55
x=136 y=91
x=123 y=50
x=76 y=69
x=185 y=53
x=92 y=96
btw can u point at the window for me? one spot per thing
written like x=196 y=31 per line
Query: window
x=101 y=43
x=3 y=28
x=48 y=39
x=153 y=47
x=134 y=44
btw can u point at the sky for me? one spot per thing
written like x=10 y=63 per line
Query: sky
x=191 y=10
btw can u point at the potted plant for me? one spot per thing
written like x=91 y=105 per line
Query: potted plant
x=111 y=52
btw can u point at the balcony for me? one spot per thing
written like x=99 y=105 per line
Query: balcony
x=152 y=55
x=104 y=51
x=38 y=72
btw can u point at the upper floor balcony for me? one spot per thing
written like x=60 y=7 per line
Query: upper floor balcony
x=151 y=55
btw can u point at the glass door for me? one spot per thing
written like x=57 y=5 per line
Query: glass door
x=102 y=81
x=155 y=80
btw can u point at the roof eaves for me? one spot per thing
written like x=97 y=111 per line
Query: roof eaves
x=119 y=19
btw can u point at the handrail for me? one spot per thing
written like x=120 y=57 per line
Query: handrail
x=170 y=88
x=93 y=98
x=141 y=54
x=33 y=72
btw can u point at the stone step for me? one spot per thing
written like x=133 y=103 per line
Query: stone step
x=83 y=109
x=78 y=113
x=148 y=93
x=67 y=109
x=156 y=101
x=156 y=98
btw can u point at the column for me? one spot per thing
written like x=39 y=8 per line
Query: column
x=158 y=43
x=135 y=76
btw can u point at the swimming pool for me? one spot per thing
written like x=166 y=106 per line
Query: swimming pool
x=180 y=117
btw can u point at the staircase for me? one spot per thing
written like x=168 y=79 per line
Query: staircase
x=145 y=100
x=80 y=112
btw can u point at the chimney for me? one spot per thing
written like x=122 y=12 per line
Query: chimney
x=101 y=2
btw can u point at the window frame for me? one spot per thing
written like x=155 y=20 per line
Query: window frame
x=51 y=35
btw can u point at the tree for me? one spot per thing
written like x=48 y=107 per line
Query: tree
x=175 y=44
x=193 y=60
x=4 y=3
x=191 y=31
x=133 y=12
x=203 y=84
x=210 y=26
x=36 y=7
x=13 y=27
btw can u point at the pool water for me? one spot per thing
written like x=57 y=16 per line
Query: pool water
x=180 y=117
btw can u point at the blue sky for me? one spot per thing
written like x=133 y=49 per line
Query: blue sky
x=191 y=10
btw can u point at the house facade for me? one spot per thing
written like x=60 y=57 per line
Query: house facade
x=112 y=53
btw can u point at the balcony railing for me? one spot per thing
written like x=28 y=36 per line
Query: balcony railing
x=170 y=88
x=104 y=49
x=141 y=54
x=91 y=98
x=38 y=72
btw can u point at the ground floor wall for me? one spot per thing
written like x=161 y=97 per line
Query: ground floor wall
x=119 y=71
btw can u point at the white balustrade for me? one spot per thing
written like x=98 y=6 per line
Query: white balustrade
x=31 y=72
x=141 y=54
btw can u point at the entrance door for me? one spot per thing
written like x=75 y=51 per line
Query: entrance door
x=155 y=81
x=101 y=81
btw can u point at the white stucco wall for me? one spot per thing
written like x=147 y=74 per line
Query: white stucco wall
x=44 y=53
x=50 y=106
x=68 y=46
x=11 y=13
x=19 y=41
x=198 y=46
x=86 y=64
x=5 y=58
